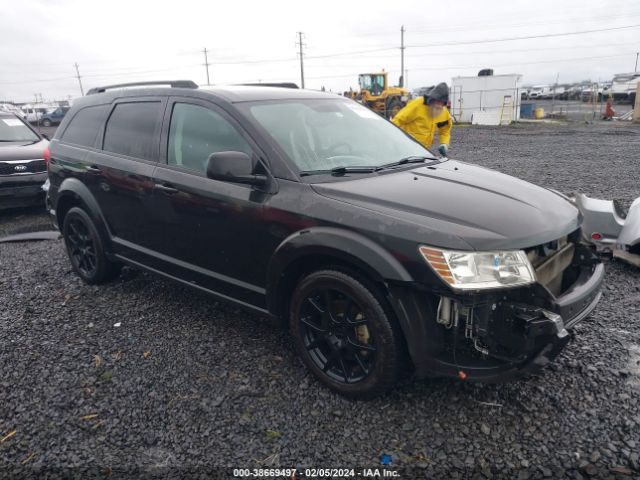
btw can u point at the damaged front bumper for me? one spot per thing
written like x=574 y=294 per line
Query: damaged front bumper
x=496 y=336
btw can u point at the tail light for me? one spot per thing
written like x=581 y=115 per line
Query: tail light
x=46 y=155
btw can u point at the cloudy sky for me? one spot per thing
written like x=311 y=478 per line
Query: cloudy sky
x=248 y=41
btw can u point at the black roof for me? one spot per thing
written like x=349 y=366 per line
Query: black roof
x=230 y=93
x=251 y=93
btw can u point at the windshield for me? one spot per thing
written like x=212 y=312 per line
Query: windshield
x=14 y=130
x=321 y=135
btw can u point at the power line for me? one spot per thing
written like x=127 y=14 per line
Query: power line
x=79 y=79
x=462 y=67
x=528 y=37
x=501 y=25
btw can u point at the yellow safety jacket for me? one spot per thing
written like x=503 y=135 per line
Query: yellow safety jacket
x=414 y=119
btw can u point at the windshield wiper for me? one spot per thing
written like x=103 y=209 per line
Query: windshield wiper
x=339 y=171
x=405 y=160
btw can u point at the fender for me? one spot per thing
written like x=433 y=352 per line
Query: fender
x=335 y=242
x=72 y=187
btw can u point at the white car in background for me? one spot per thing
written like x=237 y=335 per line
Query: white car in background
x=10 y=108
x=540 y=92
x=624 y=86
x=33 y=114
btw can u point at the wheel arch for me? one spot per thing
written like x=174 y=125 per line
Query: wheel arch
x=73 y=193
x=319 y=247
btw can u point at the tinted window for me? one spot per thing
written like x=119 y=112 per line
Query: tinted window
x=197 y=132
x=84 y=126
x=130 y=130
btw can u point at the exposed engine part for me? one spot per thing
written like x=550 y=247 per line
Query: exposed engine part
x=467 y=313
x=479 y=347
x=445 y=315
x=504 y=330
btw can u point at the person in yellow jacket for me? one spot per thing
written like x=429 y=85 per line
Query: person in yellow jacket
x=422 y=116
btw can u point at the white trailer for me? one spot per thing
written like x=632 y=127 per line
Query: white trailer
x=489 y=100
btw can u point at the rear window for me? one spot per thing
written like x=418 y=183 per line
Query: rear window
x=131 y=128
x=84 y=126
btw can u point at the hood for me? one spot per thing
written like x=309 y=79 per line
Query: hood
x=483 y=208
x=22 y=150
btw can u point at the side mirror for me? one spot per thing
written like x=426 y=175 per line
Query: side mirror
x=234 y=167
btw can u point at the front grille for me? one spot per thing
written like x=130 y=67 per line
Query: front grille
x=34 y=166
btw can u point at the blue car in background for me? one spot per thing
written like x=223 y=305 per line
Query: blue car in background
x=54 y=117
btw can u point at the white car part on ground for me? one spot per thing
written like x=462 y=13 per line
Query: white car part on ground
x=608 y=230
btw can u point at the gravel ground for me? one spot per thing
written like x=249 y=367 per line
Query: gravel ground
x=143 y=376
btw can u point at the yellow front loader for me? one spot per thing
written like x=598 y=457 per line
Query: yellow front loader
x=376 y=93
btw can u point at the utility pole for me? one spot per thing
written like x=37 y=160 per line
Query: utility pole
x=79 y=78
x=402 y=47
x=206 y=64
x=300 y=44
x=636 y=69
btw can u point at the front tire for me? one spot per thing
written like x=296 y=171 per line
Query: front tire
x=86 y=249
x=344 y=335
x=393 y=107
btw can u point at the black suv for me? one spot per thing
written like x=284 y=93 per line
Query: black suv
x=312 y=209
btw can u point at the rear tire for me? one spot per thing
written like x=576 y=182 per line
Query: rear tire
x=46 y=123
x=344 y=335
x=85 y=248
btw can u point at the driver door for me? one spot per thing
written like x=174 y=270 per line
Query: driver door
x=207 y=228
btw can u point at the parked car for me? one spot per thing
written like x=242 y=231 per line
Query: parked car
x=33 y=114
x=10 y=108
x=540 y=92
x=53 y=117
x=592 y=93
x=624 y=85
x=22 y=166
x=311 y=209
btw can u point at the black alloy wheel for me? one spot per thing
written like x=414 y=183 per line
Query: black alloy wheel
x=344 y=335
x=82 y=248
x=86 y=248
x=335 y=332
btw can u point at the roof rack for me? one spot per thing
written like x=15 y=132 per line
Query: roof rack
x=171 y=83
x=279 y=84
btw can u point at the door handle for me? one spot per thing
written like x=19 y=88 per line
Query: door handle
x=93 y=169
x=166 y=188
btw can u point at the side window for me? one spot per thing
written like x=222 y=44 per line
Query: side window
x=84 y=126
x=131 y=130
x=196 y=132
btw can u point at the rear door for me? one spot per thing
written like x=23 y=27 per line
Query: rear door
x=120 y=170
x=211 y=230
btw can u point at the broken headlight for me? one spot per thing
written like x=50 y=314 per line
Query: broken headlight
x=480 y=270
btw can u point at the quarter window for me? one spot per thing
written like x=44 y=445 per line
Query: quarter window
x=131 y=130
x=197 y=132
x=84 y=126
